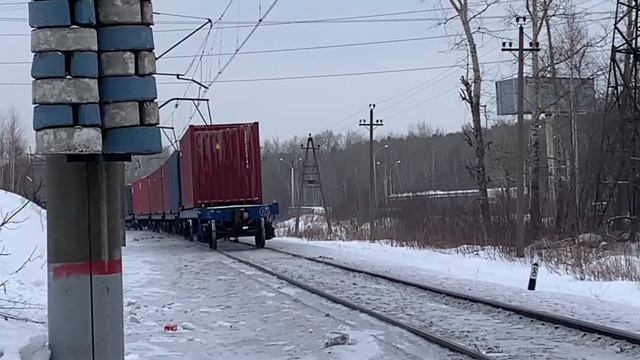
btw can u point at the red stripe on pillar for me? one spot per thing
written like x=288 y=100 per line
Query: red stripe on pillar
x=109 y=267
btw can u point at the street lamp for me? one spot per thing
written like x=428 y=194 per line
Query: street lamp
x=391 y=173
x=292 y=166
x=387 y=172
x=375 y=176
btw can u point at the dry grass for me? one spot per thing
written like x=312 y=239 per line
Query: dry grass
x=456 y=228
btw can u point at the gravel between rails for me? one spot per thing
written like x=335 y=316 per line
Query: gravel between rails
x=498 y=333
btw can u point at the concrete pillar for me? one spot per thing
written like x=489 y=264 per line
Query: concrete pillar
x=84 y=259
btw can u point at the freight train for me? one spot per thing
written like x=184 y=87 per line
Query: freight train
x=210 y=189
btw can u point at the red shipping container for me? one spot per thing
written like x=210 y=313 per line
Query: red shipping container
x=221 y=165
x=156 y=201
x=140 y=196
x=165 y=188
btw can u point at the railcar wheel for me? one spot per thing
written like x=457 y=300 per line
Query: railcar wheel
x=261 y=236
x=211 y=235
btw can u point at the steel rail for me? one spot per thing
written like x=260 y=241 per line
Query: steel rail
x=436 y=339
x=581 y=325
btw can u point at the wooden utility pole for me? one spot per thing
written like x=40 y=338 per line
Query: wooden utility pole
x=371 y=126
x=520 y=203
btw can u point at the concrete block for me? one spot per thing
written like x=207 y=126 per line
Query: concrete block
x=119 y=12
x=128 y=88
x=121 y=114
x=146 y=62
x=138 y=140
x=64 y=39
x=149 y=113
x=48 y=116
x=84 y=64
x=69 y=140
x=89 y=115
x=85 y=12
x=147 y=12
x=117 y=63
x=48 y=65
x=125 y=38
x=65 y=91
x=49 y=13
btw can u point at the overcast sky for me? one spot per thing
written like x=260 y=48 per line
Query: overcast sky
x=296 y=107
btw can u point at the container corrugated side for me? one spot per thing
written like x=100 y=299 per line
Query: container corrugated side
x=128 y=200
x=171 y=183
x=186 y=169
x=221 y=165
x=140 y=195
x=155 y=192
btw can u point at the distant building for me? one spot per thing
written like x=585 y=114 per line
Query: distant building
x=555 y=95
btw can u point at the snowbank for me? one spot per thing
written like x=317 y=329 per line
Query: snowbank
x=314 y=227
x=22 y=270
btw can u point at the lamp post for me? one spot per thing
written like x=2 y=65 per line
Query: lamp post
x=387 y=171
x=375 y=176
x=391 y=173
x=292 y=166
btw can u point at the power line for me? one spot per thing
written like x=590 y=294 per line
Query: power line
x=367 y=20
x=232 y=57
x=244 y=42
x=360 y=73
x=354 y=17
x=412 y=91
x=333 y=46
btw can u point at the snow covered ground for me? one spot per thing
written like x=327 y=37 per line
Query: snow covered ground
x=226 y=310
x=615 y=303
x=23 y=272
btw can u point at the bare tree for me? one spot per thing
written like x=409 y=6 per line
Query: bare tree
x=470 y=93
x=14 y=162
x=9 y=306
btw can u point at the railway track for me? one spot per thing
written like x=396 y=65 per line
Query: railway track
x=476 y=327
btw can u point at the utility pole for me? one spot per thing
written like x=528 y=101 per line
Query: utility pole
x=371 y=126
x=520 y=201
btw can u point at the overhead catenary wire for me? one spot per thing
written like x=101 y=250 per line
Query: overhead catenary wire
x=359 y=73
x=244 y=42
x=200 y=56
x=232 y=57
x=363 y=20
x=335 y=46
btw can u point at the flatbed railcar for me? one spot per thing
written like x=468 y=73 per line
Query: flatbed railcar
x=208 y=190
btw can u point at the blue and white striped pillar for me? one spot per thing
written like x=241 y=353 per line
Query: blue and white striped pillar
x=127 y=86
x=93 y=68
x=65 y=70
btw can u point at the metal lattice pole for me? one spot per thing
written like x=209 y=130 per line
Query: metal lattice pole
x=617 y=180
x=310 y=179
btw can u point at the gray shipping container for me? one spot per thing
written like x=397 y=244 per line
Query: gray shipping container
x=128 y=201
x=171 y=183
